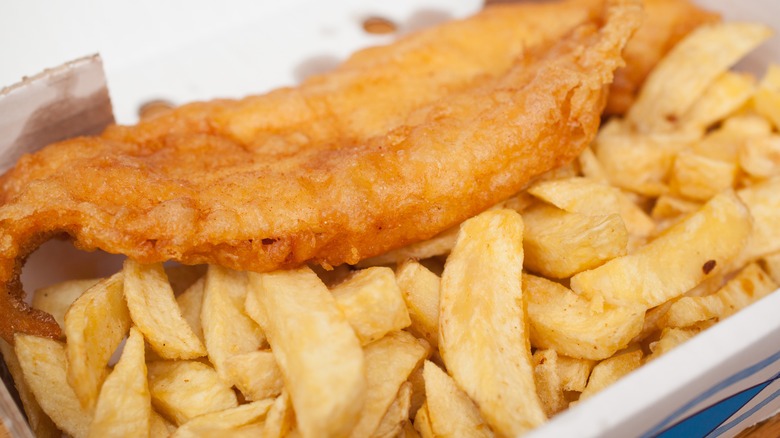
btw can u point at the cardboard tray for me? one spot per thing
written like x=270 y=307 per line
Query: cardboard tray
x=720 y=382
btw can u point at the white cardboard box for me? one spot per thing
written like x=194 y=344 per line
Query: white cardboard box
x=722 y=381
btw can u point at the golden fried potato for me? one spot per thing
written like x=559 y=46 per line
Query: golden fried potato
x=125 y=404
x=241 y=421
x=766 y=100
x=559 y=244
x=155 y=312
x=44 y=364
x=280 y=418
x=316 y=349
x=389 y=362
x=372 y=303
x=548 y=382
x=698 y=247
x=448 y=410
x=420 y=290
x=397 y=415
x=191 y=304
x=763 y=202
x=700 y=178
x=256 y=374
x=610 y=371
x=760 y=156
x=570 y=324
x=725 y=95
x=57 y=298
x=95 y=325
x=670 y=338
x=574 y=372
x=183 y=390
x=483 y=338
x=227 y=330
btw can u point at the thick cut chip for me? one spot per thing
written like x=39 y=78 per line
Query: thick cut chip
x=725 y=95
x=182 y=390
x=672 y=207
x=700 y=178
x=44 y=362
x=39 y=422
x=125 y=404
x=591 y=167
x=572 y=325
x=420 y=290
x=724 y=143
x=255 y=374
x=548 y=382
x=574 y=372
x=397 y=415
x=227 y=329
x=749 y=285
x=372 y=303
x=559 y=244
x=56 y=299
x=440 y=244
x=593 y=198
x=389 y=362
x=760 y=157
x=639 y=163
x=422 y=420
x=698 y=247
x=448 y=410
x=688 y=69
x=766 y=101
x=482 y=335
x=610 y=371
x=191 y=304
x=155 y=312
x=771 y=264
x=95 y=325
x=670 y=338
x=160 y=427
x=241 y=421
x=316 y=349
x=763 y=202
x=279 y=420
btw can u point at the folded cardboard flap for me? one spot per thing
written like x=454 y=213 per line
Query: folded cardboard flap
x=59 y=103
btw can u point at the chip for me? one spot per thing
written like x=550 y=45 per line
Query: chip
x=448 y=411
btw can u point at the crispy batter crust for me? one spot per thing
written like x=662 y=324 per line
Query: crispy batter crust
x=305 y=175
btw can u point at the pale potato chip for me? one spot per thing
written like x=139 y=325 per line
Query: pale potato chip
x=397 y=415
x=372 y=303
x=57 y=298
x=420 y=290
x=729 y=92
x=256 y=374
x=418 y=391
x=670 y=339
x=610 y=371
x=639 y=163
x=724 y=143
x=561 y=320
x=559 y=244
x=95 y=326
x=591 y=167
x=422 y=420
x=389 y=362
x=483 y=337
x=766 y=100
x=240 y=421
x=160 y=427
x=409 y=431
x=698 y=247
x=593 y=198
x=279 y=419
x=44 y=363
x=124 y=407
x=190 y=304
x=574 y=372
x=688 y=69
x=40 y=423
x=227 y=329
x=700 y=178
x=155 y=312
x=748 y=286
x=449 y=411
x=315 y=347
x=548 y=382
x=673 y=207
x=763 y=202
x=182 y=390
x=760 y=156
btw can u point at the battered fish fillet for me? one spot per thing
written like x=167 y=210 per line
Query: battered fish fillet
x=305 y=175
